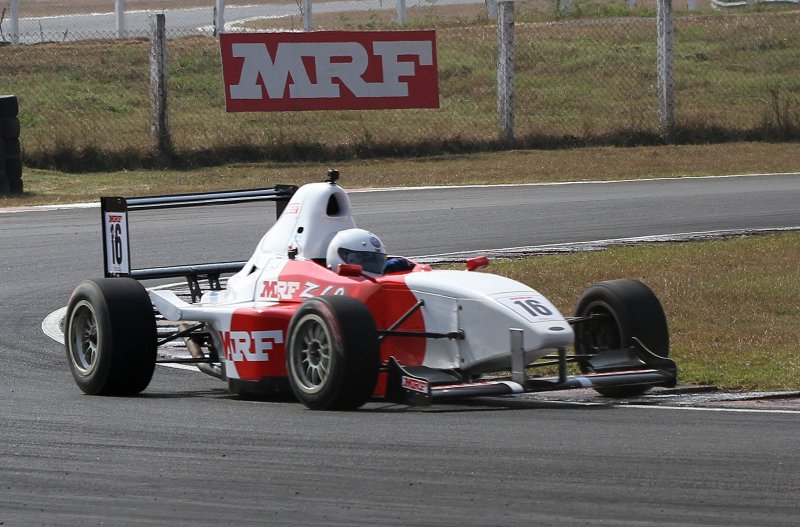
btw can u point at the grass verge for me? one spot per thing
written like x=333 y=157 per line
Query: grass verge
x=521 y=166
x=732 y=305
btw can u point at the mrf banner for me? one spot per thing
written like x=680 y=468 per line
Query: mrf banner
x=329 y=70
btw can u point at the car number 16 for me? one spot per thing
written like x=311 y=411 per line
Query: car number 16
x=116 y=242
x=533 y=308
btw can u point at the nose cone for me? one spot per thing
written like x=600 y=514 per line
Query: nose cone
x=486 y=307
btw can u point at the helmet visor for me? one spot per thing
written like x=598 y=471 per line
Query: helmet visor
x=371 y=262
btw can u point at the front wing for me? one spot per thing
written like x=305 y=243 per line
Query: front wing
x=633 y=367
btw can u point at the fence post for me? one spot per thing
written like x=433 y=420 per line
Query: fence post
x=401 y=12
x=565 y=7
x=505 y=69
x=160 y=139
x=119 y=13
x=15 y=22
x=219 y=20
x=307 y=24
x=692 y=5
x=491 y=9
x=631 y=4
x=666 y=81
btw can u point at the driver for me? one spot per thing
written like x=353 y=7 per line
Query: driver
x=357 y=246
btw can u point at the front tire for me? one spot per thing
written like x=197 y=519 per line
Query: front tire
x=333 y=353
x=629 y=309
x=110 y=336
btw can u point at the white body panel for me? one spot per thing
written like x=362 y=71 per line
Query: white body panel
x=485 y=307
x=305 y=225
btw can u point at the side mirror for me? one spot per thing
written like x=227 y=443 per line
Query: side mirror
x=350 y=270
x=473 y=264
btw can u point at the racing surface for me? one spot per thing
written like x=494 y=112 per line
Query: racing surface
x=85 y=24
x=187 y=453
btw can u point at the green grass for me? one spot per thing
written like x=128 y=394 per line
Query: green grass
x=580 y=81
x=732 y=305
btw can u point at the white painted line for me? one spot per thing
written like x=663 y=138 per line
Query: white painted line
x=179 y=366
x=709 y=409
x=111 y=13
x=45 y=208
x=51 y=325
x=564 y=183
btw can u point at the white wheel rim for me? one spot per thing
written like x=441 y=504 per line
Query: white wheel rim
x=311 y=353
x=83 y=338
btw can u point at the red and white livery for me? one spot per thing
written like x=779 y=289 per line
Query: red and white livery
x=338 y=335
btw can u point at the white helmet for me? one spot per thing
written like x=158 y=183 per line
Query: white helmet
x=357 y=246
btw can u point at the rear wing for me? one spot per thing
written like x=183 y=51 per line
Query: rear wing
x=116 y=247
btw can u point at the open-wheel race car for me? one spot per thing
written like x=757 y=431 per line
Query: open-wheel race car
x=322 y=312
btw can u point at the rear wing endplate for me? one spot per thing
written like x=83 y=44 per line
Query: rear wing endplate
x=116 y=246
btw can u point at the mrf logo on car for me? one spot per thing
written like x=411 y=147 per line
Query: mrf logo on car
x=329 y=70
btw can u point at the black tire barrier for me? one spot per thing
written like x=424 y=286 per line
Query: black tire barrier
x=14 y=175
x=10 y=148
x=9 y=106
x=13 y=169
x=9 y=127
x=4 y=186
x=3 y=169
x=13 y=150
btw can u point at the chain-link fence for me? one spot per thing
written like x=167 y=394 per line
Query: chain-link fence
x=588 y=77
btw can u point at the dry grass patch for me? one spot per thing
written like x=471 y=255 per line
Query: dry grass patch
x=522 y=166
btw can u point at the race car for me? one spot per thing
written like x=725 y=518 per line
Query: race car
x=320 y=311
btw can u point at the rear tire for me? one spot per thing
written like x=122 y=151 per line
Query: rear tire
x=333 y=353
x=631 y=309
x=110 y=336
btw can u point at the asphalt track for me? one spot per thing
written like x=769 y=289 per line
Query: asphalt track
x=186 y=453
x=197 y=20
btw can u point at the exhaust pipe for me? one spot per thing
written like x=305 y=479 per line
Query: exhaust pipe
x=196 y=352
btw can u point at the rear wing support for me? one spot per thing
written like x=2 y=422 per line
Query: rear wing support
x=116 y=246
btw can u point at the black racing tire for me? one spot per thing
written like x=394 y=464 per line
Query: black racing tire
x=12 y=149
x=110 y=336
x=9 y=106
x=333 y=353
x=9 y=128
x=632 y=310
